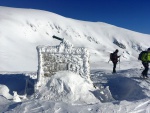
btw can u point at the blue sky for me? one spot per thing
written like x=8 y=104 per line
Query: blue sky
x=130 y=14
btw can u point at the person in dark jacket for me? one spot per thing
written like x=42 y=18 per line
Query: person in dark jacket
x=145 y=61
x=114 y=60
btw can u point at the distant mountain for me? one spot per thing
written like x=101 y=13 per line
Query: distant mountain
x=21 y=30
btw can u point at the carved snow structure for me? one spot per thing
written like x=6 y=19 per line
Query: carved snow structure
x=63 y=57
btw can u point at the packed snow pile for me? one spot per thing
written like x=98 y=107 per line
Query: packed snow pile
x=67 y=87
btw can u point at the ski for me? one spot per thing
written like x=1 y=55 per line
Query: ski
x=145 y=79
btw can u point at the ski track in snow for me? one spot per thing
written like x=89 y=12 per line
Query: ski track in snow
x=141 y=105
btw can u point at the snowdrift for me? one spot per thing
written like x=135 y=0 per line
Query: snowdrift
x=67 y=87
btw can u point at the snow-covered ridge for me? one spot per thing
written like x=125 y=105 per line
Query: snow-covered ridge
x=22 y=30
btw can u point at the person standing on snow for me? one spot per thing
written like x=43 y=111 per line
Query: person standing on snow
x=144 y=56
x=114 y=58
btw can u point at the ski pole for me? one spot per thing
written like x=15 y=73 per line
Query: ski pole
x=108 y=60
x=119 y=63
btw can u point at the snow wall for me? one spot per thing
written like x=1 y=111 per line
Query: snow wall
x=63 y=57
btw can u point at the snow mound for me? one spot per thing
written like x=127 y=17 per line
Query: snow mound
x=4 y=91
x=67 y=87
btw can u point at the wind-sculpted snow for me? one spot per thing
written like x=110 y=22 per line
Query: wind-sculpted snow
x=67 y=87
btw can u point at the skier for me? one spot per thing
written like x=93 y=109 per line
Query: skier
x=144 y=56
x=114 y=58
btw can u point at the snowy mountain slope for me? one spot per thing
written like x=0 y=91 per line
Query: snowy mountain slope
x=22 y=30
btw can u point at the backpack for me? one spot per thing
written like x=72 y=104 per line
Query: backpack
x=111 y=56
x=142 y=55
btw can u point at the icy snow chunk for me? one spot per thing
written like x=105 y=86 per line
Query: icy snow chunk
x=4 y=91
x=16 y=97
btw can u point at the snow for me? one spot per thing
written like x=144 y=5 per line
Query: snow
x=16 y=97
x=22 y=30
x=67 y=87
x=4 y=91
x=122 y=92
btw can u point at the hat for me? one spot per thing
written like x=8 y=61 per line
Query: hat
x=148 y=49
x=116 y=50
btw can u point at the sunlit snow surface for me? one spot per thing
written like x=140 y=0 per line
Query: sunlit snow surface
x=129 y=93
x=21 y=30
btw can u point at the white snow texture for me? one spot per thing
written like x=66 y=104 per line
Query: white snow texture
x=22 y=30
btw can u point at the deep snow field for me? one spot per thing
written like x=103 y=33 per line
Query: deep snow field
x=123 y=92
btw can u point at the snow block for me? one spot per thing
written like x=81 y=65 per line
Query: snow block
x=63 y=57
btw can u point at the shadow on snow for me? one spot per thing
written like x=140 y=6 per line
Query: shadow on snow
x=17 y=82
x=123 y=88
x=120 y=87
